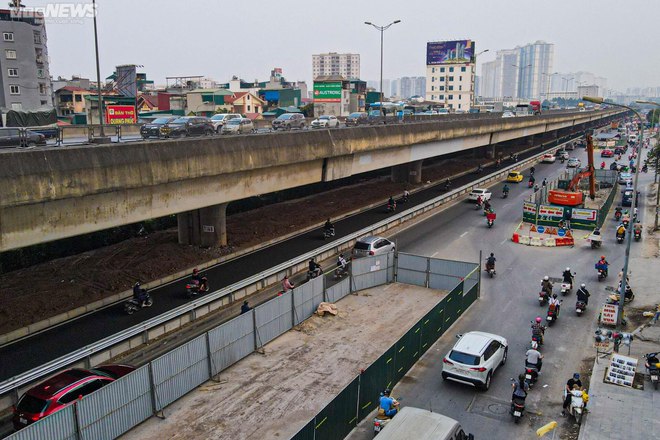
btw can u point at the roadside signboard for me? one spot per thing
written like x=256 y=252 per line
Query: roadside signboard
x=120 y=114
x=327 y=92
x=621 y=370
x=609 y=314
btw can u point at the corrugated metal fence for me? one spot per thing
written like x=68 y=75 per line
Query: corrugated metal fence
x=123 y=404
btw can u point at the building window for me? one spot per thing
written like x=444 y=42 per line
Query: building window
x=40 y=73
x=450 y=96
x=442 y=69
x=432 y=69
x=460 y=87
x=8 y=36
x=451 y=69
x=10 y=54
x=459 y=105
x=441 y=97
x=12 y=72
x=451 y=78
x=37 y=37
x=42 y=88
x=14 y=89
x=432 y=88
x=450 y=88
x=442 y=88
x=433 y=97
x=249 y=109
x=460 y=78
x=433 y=79
x=463 y=69
x=78 y=98
x=39 y=55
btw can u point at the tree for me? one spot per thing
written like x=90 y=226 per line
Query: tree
x=308 y=110
x=653 y=116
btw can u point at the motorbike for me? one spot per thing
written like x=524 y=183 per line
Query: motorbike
x=645 y=169
x=391 y=207
x=653 y=367
x=552 y=315
x=491 y=270
x=543 y=298
x=447 y=185
x=580 y=307
x=531 y=374
x=340 y=271
x=530 y=184
x=595 y=241
x=517 y=407
x=602 y=273
x=620 y=237
x=133 y=305
x=566 y=288
x=637 y=234
x=327 y=233
x=478 y=206
x=193 y=288
x=576 y=407
x=490 y=222
x=505 y=194
x=381 y=420
x=617 y=215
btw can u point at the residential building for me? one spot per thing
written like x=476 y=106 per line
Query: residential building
x=245 y=103
x=70 y=100
x=588 y=90
x=332 y=96
x=535 y=65
x=207 y=101
x=208 y=83
x=450 y=72
x=75 y=81
x=24 y=71
x=333 y=63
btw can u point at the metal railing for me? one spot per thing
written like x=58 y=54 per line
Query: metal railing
x=259 y=279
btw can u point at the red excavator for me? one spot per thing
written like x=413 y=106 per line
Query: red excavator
x=570 y=196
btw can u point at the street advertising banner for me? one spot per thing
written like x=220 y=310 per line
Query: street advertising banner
x=120 y=114
x=449 y=52
x=529 y=212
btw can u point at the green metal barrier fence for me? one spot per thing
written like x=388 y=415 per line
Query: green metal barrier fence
x=338 y=418
x=453 y=305
x=602 y=214
x=470 y=296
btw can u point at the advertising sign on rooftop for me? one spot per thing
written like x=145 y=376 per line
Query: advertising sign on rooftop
x=449 y=52
x=327 y=92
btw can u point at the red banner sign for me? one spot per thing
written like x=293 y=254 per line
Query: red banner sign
x=120 y=114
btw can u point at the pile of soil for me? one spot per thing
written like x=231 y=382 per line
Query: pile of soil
x=42 y=291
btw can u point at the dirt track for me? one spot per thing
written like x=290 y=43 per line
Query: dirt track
x=273 y=395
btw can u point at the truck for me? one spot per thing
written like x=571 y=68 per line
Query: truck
x=420 y=424
x=533 y=108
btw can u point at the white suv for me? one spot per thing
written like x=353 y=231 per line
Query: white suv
x=220 y=119
x=474 y=358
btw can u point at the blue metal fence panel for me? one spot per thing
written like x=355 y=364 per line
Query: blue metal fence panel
x=273 y=318
x=372 y=271
x=339 y=290
x=117 y=407
x=179 y=371
x=231 y=342
x=57 y=426
x=306 y=299
x=411 y=269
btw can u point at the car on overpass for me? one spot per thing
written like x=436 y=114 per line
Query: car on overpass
x=221 y=119
x=484 y=193
x=515 y=177
x=357 y=118
x=190 y=126
x=607 y=153
x=508 y=114
x=625 y=178
x=325 y=121
x=158 y=128
x=238 y=126
x=549 y=158
x=63 y=389
x=474 y=358
x=20 y=137
x=287 y=121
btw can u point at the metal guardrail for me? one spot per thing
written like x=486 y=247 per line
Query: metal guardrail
x=80 y=354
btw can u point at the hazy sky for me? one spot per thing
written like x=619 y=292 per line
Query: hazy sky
x=617 y=39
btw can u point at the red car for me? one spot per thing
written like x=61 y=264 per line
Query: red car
x=607 y=153
x=63 y=389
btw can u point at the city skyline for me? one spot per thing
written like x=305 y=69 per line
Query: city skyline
x=72 y=51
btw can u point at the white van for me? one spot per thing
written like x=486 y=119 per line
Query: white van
x=632 y=138
x=419 y=424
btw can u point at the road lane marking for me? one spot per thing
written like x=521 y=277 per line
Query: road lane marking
x=504 y=241
x=434 y=254
x=464 y=234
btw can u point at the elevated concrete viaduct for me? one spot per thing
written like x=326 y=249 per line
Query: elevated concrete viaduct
x=49 y=194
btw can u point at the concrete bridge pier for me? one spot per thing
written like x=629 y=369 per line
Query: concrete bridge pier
x=205 y=227
x=407 y=172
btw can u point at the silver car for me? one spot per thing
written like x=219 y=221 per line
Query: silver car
x=238 y=126
x=372 y=245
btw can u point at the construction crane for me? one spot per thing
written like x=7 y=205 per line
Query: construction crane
x=572 y=197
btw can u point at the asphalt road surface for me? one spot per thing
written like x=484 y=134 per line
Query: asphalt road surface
x=51 y=344
x=508 y=303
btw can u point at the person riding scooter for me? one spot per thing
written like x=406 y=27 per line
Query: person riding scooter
x=505 y=190
x=637 y=229
x=388 y=404
x=583 y=294
x=329 y=228
x=140 y=294
x=602 y=265
x=391 y=204
x=621 y=232
x=520 y=388
x=534 y=360
x=602 y=165
x=490 y=262
x=546 y=285
x=314 y=268
x=200 y=281
x=568 y=276
x=532 y=180
x=554 y=304
x=617 y=213
x=538 y=330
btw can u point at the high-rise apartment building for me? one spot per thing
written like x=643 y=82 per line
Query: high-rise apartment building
x=534 y=68
x=24 y=72
x=499 y=78
x=333 y=63
x=450 y=72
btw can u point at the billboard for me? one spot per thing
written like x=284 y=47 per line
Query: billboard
x=126 y=80
x=120 y=114
x=327 y=92
x=445 y=52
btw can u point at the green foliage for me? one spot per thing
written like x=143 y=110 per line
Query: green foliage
x=308 y=110
x=653 y=116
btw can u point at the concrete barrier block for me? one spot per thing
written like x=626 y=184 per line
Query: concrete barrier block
x=57 y=319
x=524 y=239
x=77 y=312
x=100 y=357
x=135 y=341
x=204 y=310
x=38 y=326
x=172 y=325
x=13 y=335
x=120 y=349
x=155 y=332
x=535 y=241
x=549 y=242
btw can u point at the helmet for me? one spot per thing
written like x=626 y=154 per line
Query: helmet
x=137 y=284
x=535 y=345
x=554 y=295
x=538 y=319
x=492 y=254
x=583 y=285
x=602 y=257
x=195 y=271
x=568 y=269
x=576 y=376
x=386 y=392
x=545 y=278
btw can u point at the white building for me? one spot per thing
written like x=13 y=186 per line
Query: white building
x=333 y=63
x=534 y=68
x=588 y=90
x=499 y=78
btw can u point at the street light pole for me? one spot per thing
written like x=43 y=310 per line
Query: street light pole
x=382 y=29
x=655 y=177
x=626 y=261
x=98 y=72
x=474 y=94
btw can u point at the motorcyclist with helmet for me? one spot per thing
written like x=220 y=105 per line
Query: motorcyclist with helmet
x=602 y=265
x=388 y=404
x=554 y=303
x=538 y=329
x=546 y=285
x=140 y=294
x=490 y=262
x=568 y=276
x=200 y=281
x=583 y=294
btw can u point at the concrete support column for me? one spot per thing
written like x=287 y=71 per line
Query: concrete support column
x=407 y=172
x=206 y=227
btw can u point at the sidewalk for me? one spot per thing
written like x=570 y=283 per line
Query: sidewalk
x=617 y=412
